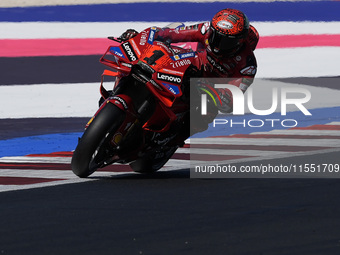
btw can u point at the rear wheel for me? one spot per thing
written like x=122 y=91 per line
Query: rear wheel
x=90 y=152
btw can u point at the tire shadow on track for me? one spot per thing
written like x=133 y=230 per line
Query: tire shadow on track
x=172 y=174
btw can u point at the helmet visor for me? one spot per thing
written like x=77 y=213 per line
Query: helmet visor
x=220 y=43
x=225 y=44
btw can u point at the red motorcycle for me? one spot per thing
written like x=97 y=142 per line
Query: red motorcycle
x=145 y=118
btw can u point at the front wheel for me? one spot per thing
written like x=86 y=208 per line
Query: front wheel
x=85 y=157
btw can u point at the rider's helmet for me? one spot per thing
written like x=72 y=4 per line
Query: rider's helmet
x=228 y=30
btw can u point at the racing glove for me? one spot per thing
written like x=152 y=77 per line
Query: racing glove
x=226 y=100
x=128 y=34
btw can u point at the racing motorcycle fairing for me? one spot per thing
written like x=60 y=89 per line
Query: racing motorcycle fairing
x=161 y=66
x=149 y=99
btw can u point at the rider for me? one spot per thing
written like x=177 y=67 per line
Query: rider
x=226 y=46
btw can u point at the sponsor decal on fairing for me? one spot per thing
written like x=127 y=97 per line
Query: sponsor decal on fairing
x=117 y=51
x=143 y=38
x=129 y=51
x=172 y=88
x=168 y=77
x=135 y=47
x=152 y=35
x=180 y=63
x=173 y=71
x=183 y=56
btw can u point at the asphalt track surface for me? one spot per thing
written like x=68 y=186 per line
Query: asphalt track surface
x=169 y=213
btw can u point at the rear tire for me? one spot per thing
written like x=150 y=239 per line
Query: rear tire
x=108 y=120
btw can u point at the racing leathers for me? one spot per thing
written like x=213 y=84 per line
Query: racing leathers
x=240 y=66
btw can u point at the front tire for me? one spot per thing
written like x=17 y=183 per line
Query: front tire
x=108 y=120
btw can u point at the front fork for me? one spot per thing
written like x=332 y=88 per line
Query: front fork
x=139 y=105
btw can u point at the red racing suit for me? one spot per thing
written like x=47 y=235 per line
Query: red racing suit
x=241 y=66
